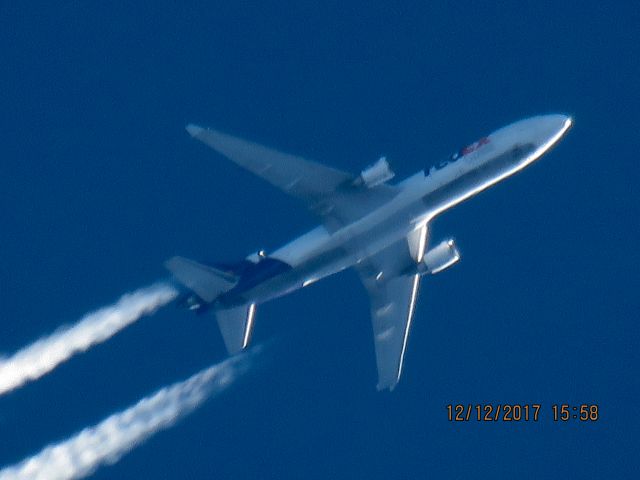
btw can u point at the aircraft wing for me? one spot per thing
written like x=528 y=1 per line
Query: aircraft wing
x=327 y=192
x=393 y=294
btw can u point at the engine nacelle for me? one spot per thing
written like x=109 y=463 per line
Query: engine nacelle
x=440 y=257
x=376 y=174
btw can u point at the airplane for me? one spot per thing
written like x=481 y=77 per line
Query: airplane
x=378 y=228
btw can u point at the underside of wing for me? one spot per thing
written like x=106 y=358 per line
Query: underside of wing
x=393 y=287
x=332 y=194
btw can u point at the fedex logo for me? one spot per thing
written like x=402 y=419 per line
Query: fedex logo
x=470 y=148
x=474 y=146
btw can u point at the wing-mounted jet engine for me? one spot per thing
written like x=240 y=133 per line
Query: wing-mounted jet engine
x=375 y=174
x=439 y=258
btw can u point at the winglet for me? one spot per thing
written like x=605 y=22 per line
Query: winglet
x=194 y=130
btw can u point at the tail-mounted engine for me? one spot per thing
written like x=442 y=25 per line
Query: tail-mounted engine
x=439 y=258
x=375 y=174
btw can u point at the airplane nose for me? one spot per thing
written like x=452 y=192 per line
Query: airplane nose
x=556 y=121
x=528 y=139
x=554 y=125
x=550 y=128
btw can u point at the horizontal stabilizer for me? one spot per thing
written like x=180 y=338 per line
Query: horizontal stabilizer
x=236 y=325
x=206 y=282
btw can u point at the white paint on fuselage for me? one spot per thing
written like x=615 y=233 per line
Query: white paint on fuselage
x=297 y=251
x=318 y=253
x=543 y=132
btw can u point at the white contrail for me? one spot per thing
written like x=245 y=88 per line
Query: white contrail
x=42 y=356
x=106 y=442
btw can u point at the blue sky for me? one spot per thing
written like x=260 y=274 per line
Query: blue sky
x=99 y=183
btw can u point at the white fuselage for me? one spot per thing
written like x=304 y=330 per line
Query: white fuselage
x=421 y=197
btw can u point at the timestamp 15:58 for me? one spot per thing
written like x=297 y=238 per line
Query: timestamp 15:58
x=584 y=412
